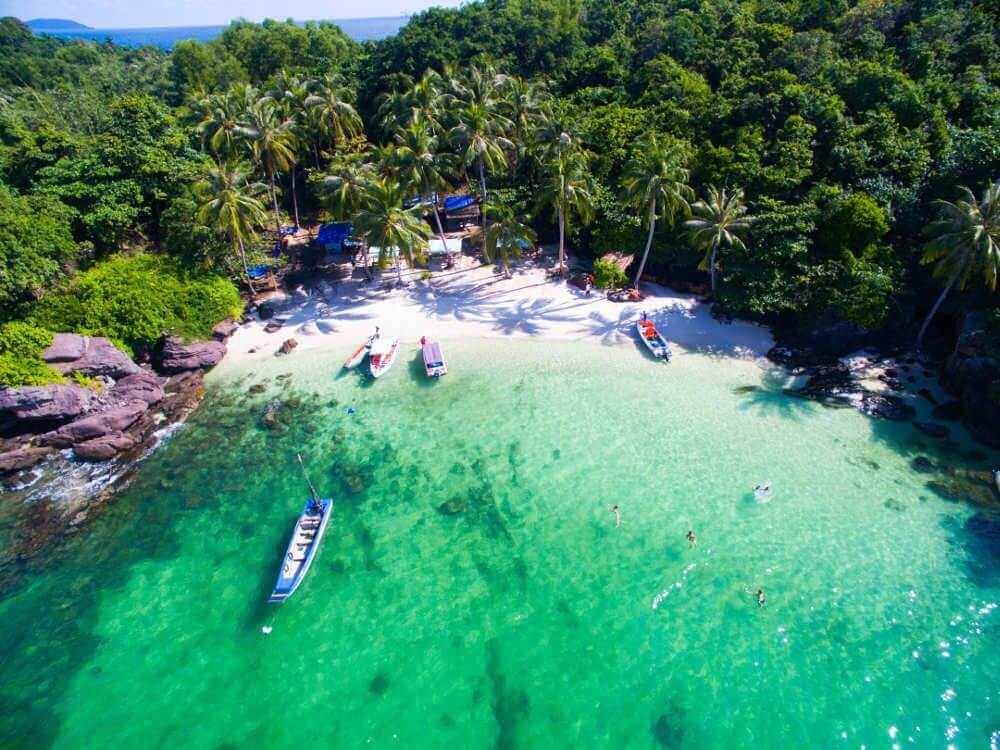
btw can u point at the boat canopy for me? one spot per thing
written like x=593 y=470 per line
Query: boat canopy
x=432 y=355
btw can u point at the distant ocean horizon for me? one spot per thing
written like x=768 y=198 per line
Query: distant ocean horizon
x=165 y=37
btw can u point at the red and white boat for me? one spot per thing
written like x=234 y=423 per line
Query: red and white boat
x=382 y=355
x=359 y=354
x=653 y=339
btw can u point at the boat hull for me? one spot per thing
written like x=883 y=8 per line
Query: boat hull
x=358 y=356
x=658 y=346
x=434 y=364
x=380 y=361
x=302 y=549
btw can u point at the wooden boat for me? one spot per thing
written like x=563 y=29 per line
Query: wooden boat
x=434 y=364
x=302 y=548
x=653 y=339
x=359 y=354
x=382 y=356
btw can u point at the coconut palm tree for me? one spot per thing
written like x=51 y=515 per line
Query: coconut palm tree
x=655 y=182
x=420 y=166
x=336 y=117
x=965 y=242
x=273 y=145
x=506 y=236
x=384 y=223
x=289 y=95
x=223 y=116
x=228 y=202
x=719 y=221
x=482 y=129
x=567 y=187
x=344 y=186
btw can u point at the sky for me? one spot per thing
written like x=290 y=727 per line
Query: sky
x=106 y=14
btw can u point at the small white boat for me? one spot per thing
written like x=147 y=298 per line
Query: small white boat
x=359 y=354
x=653 y=339
x=434 y=364
x=382 y=355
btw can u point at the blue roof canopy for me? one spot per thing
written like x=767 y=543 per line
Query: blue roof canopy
x=332 y=236
x=458 y=202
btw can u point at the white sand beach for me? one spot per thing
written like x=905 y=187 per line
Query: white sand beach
x=476 y=301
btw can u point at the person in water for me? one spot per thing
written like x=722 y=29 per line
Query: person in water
x=761 y=599
x=423 y=341
x=378 y=332
x=691 y=538
x=618 y=514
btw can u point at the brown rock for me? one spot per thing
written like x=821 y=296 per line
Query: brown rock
x=22 y=458
x=105 y=447
x=287 y=347
x=88 y=355
x=49 y=403
x=176 y=356
x=112 y=420
x=224 y=329
x=142 y=386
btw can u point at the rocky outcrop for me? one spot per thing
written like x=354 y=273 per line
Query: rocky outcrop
x=88 y=355
x=224 y=329
x=973 y=374
x=101 y=424
x=54 y=403
x=142 y=386
x=835 y=386
x=176 y=356
x=22 y=458
x=820 y=344
x=104 y=448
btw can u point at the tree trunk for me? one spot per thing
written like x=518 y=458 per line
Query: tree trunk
x=277 y=216
x=933 y=312
x=562 y=251
x=241 y=251
x=711 y=266
x=437 y=218
x=649 y=244
x=482 y=188
x=295 y=200
x=316 y=154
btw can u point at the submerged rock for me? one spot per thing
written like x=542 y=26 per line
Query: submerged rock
x=932 y=429
x=950 y=411
x=881 y=406
x=453 y=507
x=922 y=464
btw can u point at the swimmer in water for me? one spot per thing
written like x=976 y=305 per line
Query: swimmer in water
x=691 y=538
x=761 y=599
x=618 y=514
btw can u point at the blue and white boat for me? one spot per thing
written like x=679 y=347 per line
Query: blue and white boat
x=302 y=548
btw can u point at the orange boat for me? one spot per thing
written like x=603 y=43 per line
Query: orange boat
x=653 y=339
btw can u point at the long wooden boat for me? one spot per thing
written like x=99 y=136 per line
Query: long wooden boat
x=302 y=548
x=359 y=354
x=653 y=339
x=382 y=356
x=434 y=364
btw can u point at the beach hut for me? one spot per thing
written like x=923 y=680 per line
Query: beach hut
x=331 y=237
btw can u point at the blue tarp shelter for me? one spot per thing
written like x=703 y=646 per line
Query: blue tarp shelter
x=458 y=202
x=259 y=271
x=332 y=236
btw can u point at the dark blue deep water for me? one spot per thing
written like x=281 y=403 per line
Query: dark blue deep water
x=359 y=29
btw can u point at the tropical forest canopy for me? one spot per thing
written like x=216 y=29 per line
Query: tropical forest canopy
x=792 y=154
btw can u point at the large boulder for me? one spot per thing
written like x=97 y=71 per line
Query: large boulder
x=49 y=403
x=115 y=419
x=974 y=375
x=224 y=329
x=104 y=448
x=176 y=356
x=22 y=458
x=142 y=386
x=88 y=355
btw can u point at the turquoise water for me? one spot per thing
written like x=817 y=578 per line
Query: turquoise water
x=165 y=37
x=526 y=619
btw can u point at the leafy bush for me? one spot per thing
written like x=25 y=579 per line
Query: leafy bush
x=133 y=299
x=607 y=275
x=21 y=345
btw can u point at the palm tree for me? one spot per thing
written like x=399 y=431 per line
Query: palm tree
x=228 y=202
x=720 y=219
x=223 y=115
x=384 y=223
x=965 y=241
x=481 y=132
x=506 y=236
x=568 y=187
x=655 y=182
x=420 y=165
x=273 y=146
x=290 y=95
x=346 y=184
x=336 y=118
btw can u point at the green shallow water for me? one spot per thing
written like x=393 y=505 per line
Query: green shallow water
x=529 y=619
